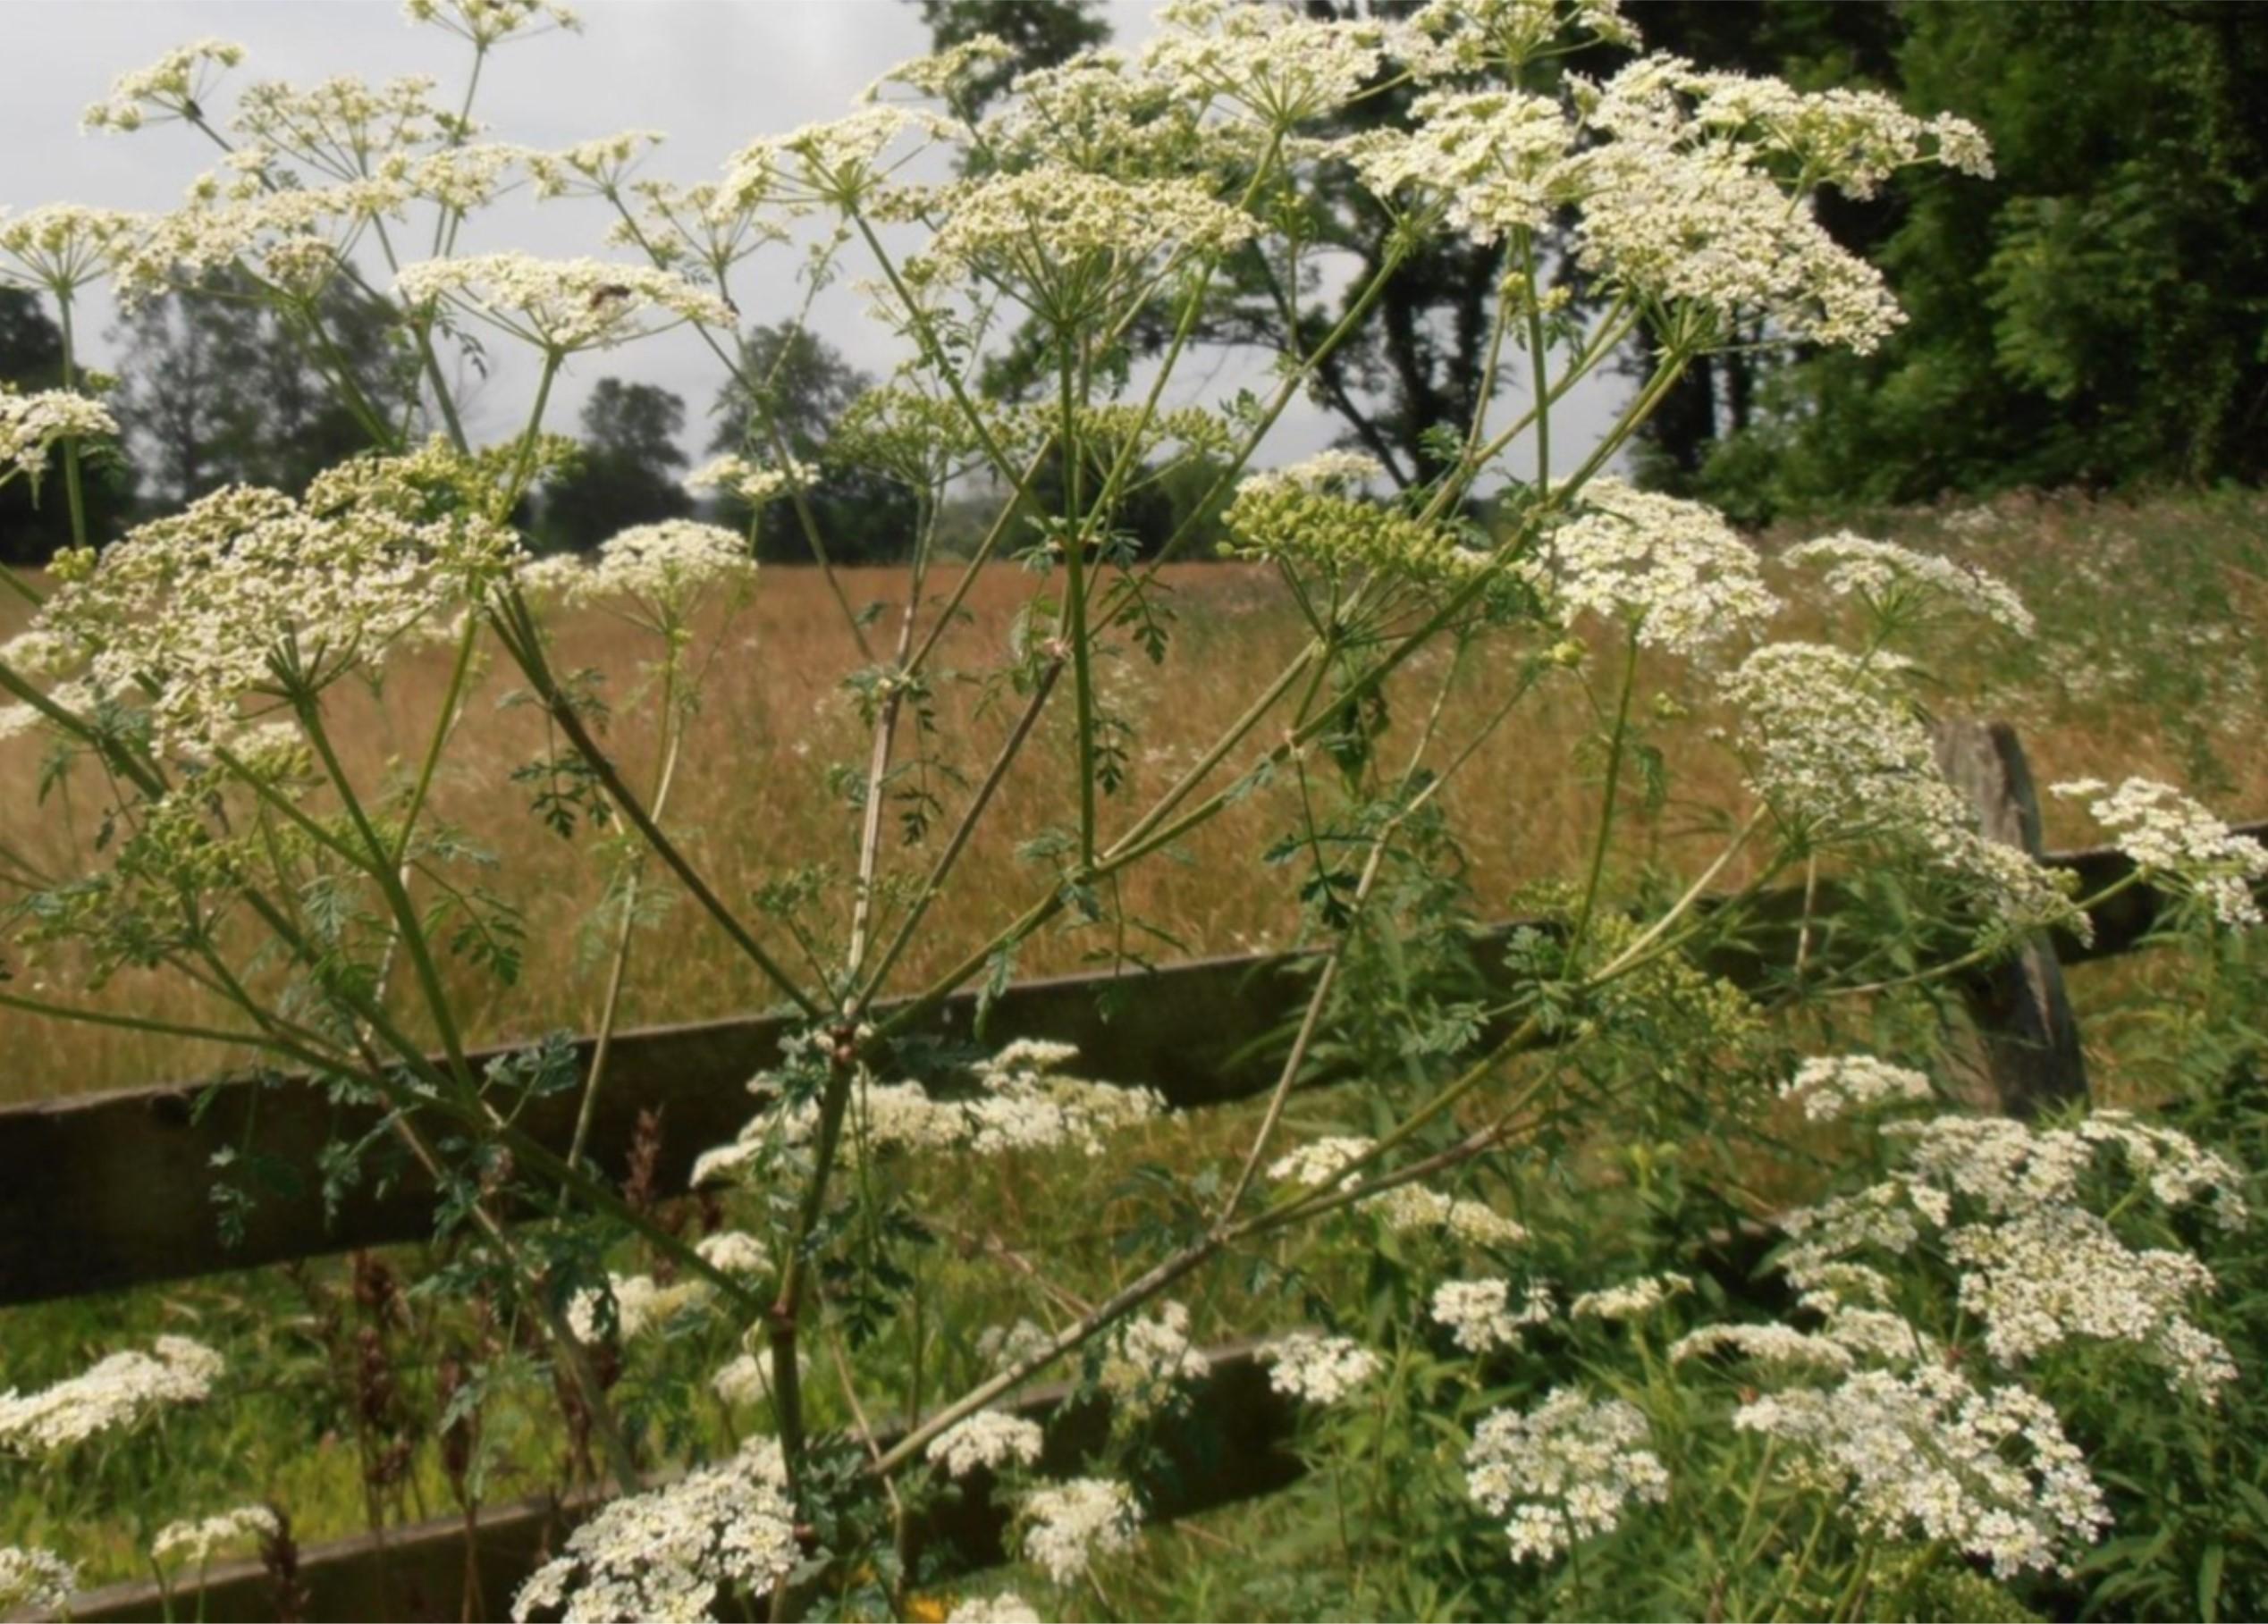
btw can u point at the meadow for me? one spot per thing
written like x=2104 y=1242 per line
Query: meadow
x=2149 y=661
x=2152 y=667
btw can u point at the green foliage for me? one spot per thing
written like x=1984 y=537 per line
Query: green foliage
x=33 y=529
x=791 y=387
x=2092 y=316
x=222 y=387
x=624 y=473
x=1040 y=33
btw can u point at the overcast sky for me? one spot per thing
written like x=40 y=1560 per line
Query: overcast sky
x=710 y=73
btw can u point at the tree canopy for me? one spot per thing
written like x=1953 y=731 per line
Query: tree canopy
x=625 y=473
x=2096 y=314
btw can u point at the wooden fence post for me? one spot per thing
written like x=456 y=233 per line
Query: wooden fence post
x=2023 y=1016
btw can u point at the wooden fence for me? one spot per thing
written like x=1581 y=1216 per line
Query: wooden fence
x=114 y=1189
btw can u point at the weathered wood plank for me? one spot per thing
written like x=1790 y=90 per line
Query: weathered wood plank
x=2022 y=1013
x=106 y=1191
x=1231 y=1441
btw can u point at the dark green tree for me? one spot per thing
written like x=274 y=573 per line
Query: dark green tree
x=626 y=473
x=30 y=531
x=2096 y=314
x=1041 y=33
x=216 y=388
x=1814 y=45
x=805 y=386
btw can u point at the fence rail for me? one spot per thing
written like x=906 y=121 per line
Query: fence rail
x=115 y=1190
x=1230 y=1440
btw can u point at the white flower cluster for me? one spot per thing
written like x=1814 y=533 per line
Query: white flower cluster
x=1927 y=1454
x=988 y=1440
x=1005 y=1347
x=1449 y=37
x=463 y=178
x=668 y=566
x=1479 y=1313
x=1070 y=1524
x=1021 y=1104
x=1060 y=229
x=596 y=167
x=1318 y=1369
x=2012 y=1167
x=670 y=1552
x=744 y=1380
x=63 y=246
x=2170 y=836
x=195 y=1540
x=2047 y=1276
x=1832 y=1089
x=117 y=1393
x=1273 y=65
x=735 y=1252
x=1148 y=1359
x=35 y=1582
x=1320 y=1164
x=195 y=608
x=1633 y=1299
x=561 y=305
x=1492 y=162
x=2038 y=1267
x=172 y=87
x=294 y=238
x=839 y=163
x=1889 y=578
x=1333 y=470
x=1421 y=1207
x=640 y=1303
x=1564 y=1471
x=1095 y=110
x=947 y=75
x=1673 y=570
x=1767 y=1344
x=345 y=127
x=31 y=424
x=1003 y=1607
x=1684 y=203
x=1835 y=752
x=487 y=23
x=752 y=483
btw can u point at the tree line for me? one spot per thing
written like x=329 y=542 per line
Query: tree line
x=2095 y=315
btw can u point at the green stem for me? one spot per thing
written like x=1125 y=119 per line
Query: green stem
x=1075 y=547
x=451 y=701
x=1614 y=751
x=618 y=971
x=73 y=481
x=522 y=639
x=380 y=866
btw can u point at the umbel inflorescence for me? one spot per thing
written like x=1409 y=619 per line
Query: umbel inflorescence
x=1044 y=253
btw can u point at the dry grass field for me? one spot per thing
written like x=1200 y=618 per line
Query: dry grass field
x=2149 y=661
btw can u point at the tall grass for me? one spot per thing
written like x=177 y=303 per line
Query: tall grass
x=2150 y=660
